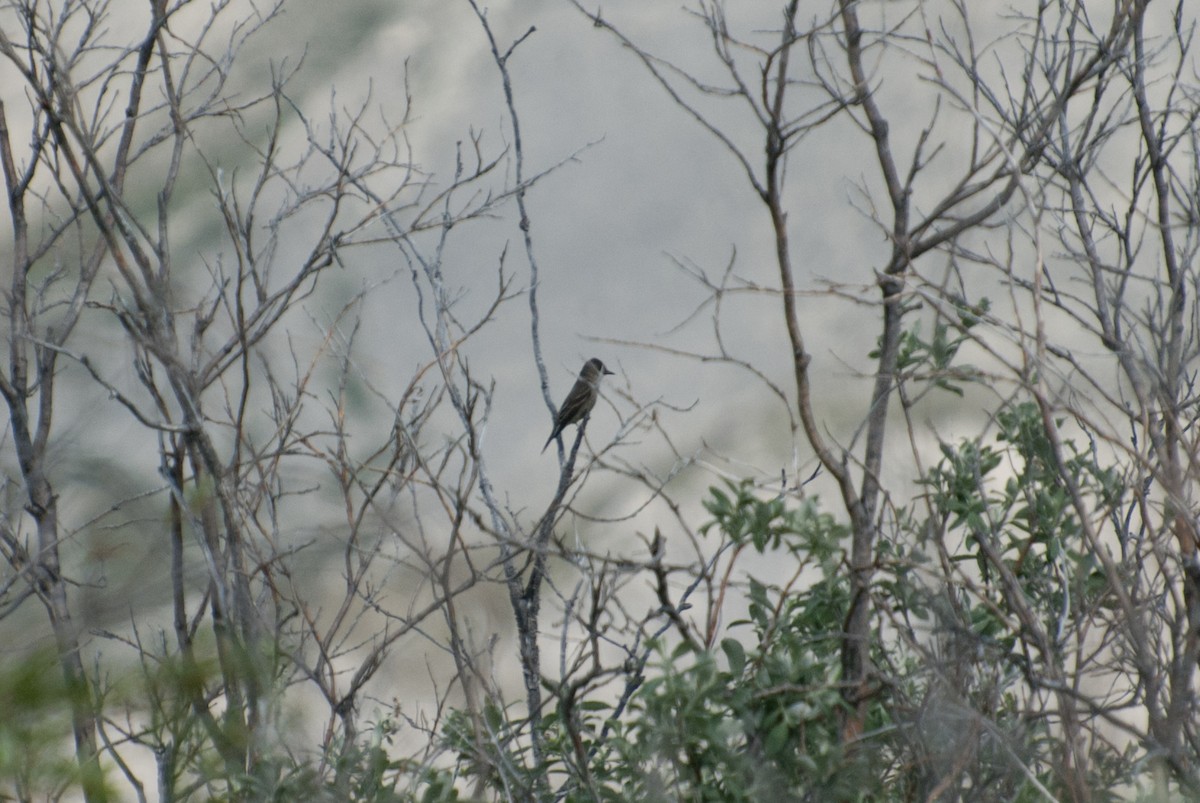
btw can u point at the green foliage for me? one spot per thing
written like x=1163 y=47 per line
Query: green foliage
x=1028 y=517
x=756 y=713
x=1010 y=509
x=491 y=750
x=36 y=760
x=753 y=717
x=770 y=525
x=756 y=716
x=933 y=359
x=35 y=726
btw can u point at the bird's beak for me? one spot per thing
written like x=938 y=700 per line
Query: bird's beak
x=608 y=372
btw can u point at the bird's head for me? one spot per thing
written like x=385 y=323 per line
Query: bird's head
x=594 y=369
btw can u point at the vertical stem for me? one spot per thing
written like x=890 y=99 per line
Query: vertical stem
x=31 y=442
x=856 y=646
x=1179 y=518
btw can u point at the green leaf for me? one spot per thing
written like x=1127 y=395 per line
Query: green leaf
x=776 y=739
x=735 y=653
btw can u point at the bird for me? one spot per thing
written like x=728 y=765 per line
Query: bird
x=581 y=399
